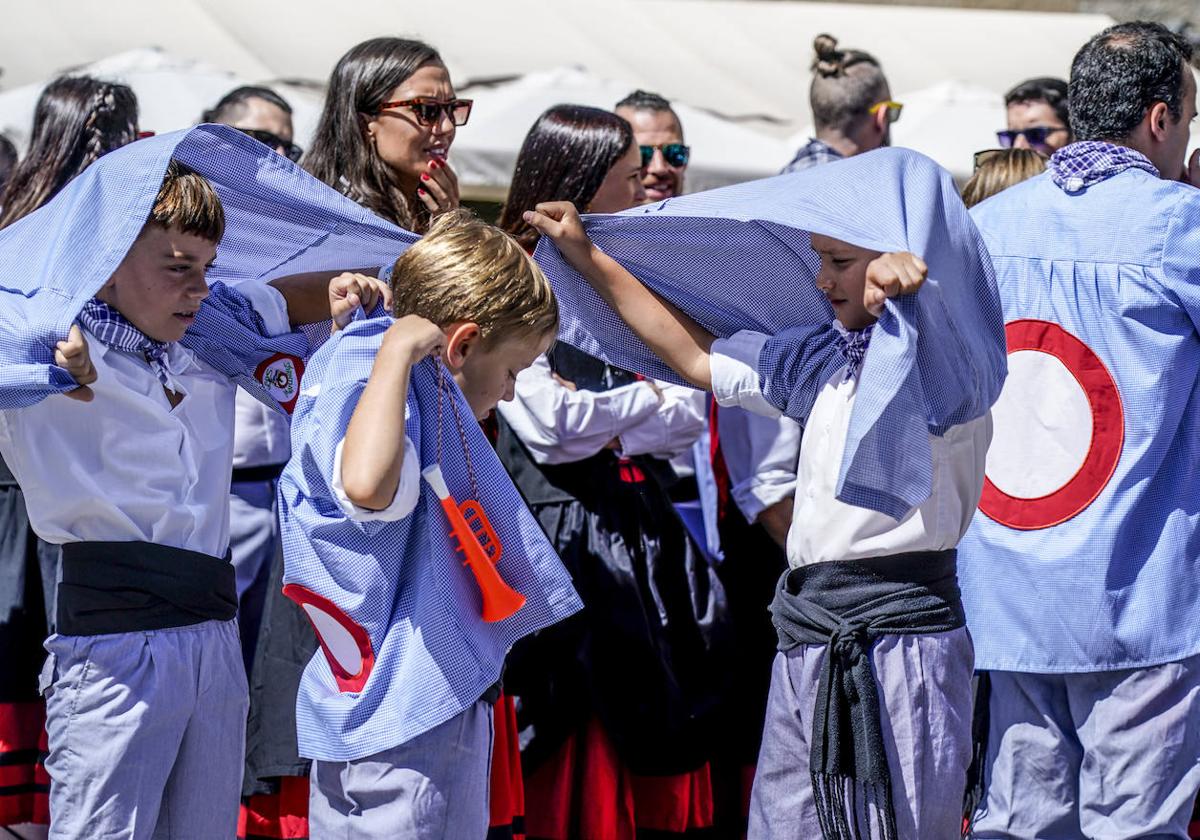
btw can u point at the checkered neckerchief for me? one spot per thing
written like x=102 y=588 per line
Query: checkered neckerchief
x=1077 y=166
x=854 y=348
x=114 y=330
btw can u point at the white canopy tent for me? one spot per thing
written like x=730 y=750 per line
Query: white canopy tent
x=737 y=69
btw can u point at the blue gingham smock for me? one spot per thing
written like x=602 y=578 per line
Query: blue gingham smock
x=401 y=581
x=739 y=258
x=1115 y=263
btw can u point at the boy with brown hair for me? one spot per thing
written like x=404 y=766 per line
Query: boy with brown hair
x=396 y=708
x=146 y=693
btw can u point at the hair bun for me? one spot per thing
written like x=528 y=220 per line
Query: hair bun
x=829 y=58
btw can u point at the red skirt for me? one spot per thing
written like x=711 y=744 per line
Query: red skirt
x=584 y=792
x=284 y=815
x=24 y=785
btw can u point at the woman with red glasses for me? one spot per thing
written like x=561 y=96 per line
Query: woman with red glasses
x=389 y=120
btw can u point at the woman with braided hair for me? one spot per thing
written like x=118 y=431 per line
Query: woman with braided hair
x=77 y=119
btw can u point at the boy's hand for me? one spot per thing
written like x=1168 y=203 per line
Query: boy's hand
x=439 y=187
x=349 y=291
x=73 y=355
x=560 y=221
x=414 y=338
x=889 y=275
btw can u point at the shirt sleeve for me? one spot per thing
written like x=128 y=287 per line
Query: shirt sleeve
x=735 y=377
x=670 y=430
x=408 y=491
x=1181 y=245
x=762 y=455
x=559 y=425
x=262 y=298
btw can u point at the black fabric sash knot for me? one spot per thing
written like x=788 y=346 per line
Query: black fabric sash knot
x=848 y=605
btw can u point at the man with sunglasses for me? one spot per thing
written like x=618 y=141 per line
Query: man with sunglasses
x=1038 y=117
x=659 y=135
x=852 y=105
x=258 y=112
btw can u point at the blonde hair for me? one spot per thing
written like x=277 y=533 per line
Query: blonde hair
x=1001 y=169
x=464 y=269
x=188 y=202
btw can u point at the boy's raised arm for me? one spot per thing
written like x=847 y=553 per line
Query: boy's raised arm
x=672 y=336
x=320 y=295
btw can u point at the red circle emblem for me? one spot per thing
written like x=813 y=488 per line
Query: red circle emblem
x=1108 y=432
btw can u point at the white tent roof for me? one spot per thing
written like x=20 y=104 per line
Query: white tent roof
x=736 y=58
x=484 y=154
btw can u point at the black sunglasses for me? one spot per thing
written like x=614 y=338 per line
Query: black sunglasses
x=675 y=154
x=1035 y=136
x=288 y=149
x=429 y=111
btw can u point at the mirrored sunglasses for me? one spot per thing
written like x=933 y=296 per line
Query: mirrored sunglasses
x=893 y=109
x=675 y=154
x=429 y=111
x=285 y=147
x=1035 y=136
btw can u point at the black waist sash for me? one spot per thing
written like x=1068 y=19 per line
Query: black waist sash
x=122 y=587
x=847 y=605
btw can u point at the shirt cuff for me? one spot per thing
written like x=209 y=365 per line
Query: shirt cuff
x=408 y=491
x=734 y=366
x=765 y=489
x=269 y=304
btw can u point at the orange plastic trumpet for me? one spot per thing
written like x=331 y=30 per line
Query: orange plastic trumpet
x=477 y=541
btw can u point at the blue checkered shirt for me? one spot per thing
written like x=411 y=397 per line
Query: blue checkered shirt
x=813 y=153
x=401 y=580
x=1116 y=265
x=740 y=258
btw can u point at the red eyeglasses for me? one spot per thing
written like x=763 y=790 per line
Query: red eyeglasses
x=429 y=111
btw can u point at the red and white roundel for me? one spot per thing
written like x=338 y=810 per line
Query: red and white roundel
x=1058 y=429
x=280 y=375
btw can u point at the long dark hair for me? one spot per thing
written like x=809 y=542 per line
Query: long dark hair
x=341 y=154
x=565 y=157
x=77 y=119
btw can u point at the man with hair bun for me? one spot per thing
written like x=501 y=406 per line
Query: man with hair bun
x=1081 y=571
x=851 y=103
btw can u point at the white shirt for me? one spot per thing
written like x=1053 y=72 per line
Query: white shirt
x=761 y=455
x=824 y=528
x=561 y=426
x=127 y=466
x=261 y=435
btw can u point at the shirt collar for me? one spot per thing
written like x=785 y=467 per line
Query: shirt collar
x=1078 y=166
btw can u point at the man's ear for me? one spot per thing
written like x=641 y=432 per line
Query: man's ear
x=462 y=339
x=1159 y=117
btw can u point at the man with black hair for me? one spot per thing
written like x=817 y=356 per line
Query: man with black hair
x=1081 y=571
x=659 y=135
x=851 y=103
x=1038 y=118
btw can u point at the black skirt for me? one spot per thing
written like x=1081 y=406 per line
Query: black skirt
x=651 y=654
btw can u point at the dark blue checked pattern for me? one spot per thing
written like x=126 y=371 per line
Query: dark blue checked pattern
x=402 y=581
x=854 y=348
x=1117 y=266
x=279 y=220
x=114 y=330
x=812 y=153
x=1080 y=165
x=740 y=258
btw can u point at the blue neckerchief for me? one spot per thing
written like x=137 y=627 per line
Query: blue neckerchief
x=115 y=330
x=1078 y=166
x=854 y=347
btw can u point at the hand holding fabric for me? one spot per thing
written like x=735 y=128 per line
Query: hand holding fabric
x=349 y=291
x=73 y=355
x=891 y=275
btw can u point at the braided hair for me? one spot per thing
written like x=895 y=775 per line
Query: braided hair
x=77 y=119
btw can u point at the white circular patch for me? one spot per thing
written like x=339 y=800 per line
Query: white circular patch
x=281 y=379
x=338 y=641
x=1043 y=427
